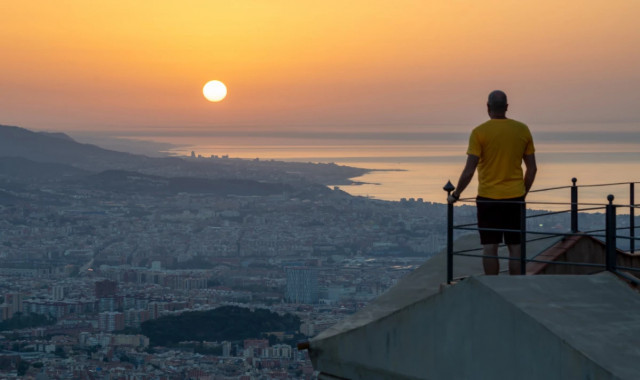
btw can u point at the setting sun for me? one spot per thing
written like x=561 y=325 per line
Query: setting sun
x=214 y=91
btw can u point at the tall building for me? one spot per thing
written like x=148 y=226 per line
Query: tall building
x=156 y=309
x=302 y=285
x=14 y=300
x=58 y=292
x=5 y=312
x=133 y=318
x=109 y=304
x=111 y=321
x=226 y=349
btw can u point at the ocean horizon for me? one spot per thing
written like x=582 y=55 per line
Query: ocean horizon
x=414 y=164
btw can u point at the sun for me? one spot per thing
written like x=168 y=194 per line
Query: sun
x=214 y=91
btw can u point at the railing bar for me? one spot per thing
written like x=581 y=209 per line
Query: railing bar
x=627 y=228
x=547 y=213
x=465 y=225
x=549 y=189
x=610 y=239
x=607 y=184
x=600 y=205
x=628 y=277
x=564 y=203
x=627 y=237
x=449 y=188
x=574 y=205
x=632 y=219
x=523 y=239
x=469 y=229
x=503 y=245
x=589 y=209
x=473 y=200
x=544 y=214
x=592 y=231
x=538 y=239
x=591 y=265
x=561 y=233
x=487 y=256
x=629 y=268
x=533 y=232
x=502 y=230
x=468 y=250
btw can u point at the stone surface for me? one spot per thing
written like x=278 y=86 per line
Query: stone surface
x=488 y=327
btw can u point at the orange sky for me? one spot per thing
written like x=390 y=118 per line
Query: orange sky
x=117 y=65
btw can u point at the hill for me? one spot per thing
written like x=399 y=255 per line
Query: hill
x=61 y=149
x=224 y=323
x=58 y=148
x=22 y=169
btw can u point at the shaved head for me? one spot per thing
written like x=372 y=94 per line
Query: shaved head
x=497 y=101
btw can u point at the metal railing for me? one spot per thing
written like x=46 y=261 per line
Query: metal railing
x=609 y=234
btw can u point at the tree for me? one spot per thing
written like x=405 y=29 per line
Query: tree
x=59 y=352
x=224 y=323
x=23 y=366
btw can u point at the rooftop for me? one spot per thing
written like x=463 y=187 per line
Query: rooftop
x=573 y=316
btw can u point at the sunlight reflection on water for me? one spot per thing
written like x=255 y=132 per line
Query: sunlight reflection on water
x=419 y=168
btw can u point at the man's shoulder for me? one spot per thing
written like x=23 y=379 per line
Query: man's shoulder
x=489 y=124
x=481 y=127
x=518 y=123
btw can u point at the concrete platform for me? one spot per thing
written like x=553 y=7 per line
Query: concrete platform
x=427 y=280
x=488 y=327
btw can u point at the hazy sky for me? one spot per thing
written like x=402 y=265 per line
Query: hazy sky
x=301 y=65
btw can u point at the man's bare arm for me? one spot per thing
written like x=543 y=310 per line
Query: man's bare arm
x=465 y=177
x=530 y=171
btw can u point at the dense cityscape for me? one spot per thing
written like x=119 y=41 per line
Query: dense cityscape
x=91 y=258
x=91 y=261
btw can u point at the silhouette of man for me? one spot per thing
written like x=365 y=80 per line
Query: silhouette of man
x=497 y=149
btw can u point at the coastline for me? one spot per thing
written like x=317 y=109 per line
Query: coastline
x=415 y=167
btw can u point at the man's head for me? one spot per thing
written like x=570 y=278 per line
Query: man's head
x=497 y=102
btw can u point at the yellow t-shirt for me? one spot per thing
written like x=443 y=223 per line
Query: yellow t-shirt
x=500 y=144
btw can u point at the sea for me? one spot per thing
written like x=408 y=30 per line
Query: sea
x=603 y=158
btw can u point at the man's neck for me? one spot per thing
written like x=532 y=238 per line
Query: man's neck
x=498 y=115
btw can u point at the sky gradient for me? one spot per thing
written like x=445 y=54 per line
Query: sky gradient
x=307 y=66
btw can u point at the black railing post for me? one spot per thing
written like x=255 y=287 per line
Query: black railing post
x=449 y=188
x=610 y=242
x=523 y=238
x=574 y=206
x=632 y=217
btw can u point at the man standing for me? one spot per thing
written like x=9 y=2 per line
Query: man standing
x=497 y=149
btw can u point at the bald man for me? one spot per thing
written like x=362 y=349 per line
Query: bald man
x=497 y=149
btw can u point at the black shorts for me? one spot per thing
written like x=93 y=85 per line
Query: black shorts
x=501 y=214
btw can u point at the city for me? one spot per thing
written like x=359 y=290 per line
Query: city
x=88 y=258
x=89 y=261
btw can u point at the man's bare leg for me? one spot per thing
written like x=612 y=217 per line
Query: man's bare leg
x=490 y=264
x=514 y=253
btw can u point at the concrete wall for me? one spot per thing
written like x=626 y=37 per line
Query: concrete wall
x=466 y=332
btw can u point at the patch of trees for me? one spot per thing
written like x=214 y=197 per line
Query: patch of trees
x=224 y=323
x=24 y=321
